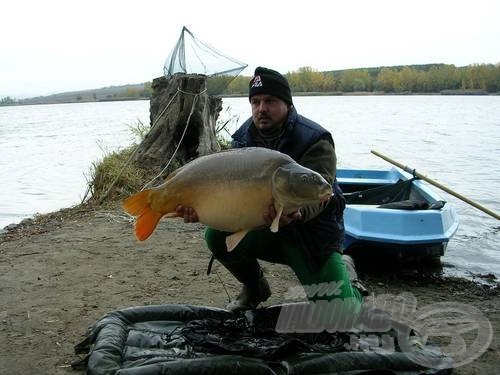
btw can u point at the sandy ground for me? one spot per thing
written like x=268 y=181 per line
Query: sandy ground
x=61 y=272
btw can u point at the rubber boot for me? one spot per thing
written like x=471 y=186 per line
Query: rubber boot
x=353 y=275
x=255 y=286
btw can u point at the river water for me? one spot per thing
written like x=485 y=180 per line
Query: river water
x=47 y=151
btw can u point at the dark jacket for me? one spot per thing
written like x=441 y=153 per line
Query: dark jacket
x=323 y=234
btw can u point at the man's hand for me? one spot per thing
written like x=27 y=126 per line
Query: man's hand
x=188 y=213
x=284 y=219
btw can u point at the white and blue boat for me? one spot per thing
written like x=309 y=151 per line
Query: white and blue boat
x=391 y=212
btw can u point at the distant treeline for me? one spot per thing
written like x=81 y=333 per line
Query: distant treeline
x=431 y=78
x=112 y=93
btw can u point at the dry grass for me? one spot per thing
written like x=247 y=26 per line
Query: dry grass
x=115 y=178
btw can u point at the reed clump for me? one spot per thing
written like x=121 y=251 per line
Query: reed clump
x=115 y=177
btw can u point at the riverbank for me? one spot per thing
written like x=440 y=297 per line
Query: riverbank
x=61 y=272
x=42 y=100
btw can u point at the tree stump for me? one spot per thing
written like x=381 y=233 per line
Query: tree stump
x=168 y=124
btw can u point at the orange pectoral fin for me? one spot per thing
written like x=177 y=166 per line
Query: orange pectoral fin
x=146 y=223
x=137 y=203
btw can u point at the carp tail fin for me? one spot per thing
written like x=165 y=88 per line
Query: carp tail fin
x=139 y=205
x=135 y=204
x=146 y=223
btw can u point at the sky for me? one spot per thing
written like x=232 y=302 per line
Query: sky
x=54 y=46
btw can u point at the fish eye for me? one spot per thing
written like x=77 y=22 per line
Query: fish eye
x=304 y=178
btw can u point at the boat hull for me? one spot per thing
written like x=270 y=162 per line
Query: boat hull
x=404 y=232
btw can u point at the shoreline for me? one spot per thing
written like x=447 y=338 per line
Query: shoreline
x=28 y=225
x=243 y=95
x=63 y=271
x=74 y=102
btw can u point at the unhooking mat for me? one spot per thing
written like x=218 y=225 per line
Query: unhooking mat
x=189 y=339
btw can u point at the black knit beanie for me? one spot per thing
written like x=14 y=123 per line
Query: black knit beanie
x=268 y=81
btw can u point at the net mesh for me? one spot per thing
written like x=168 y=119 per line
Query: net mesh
x=192 y=56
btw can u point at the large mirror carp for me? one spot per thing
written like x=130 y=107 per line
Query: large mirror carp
x=230 y=191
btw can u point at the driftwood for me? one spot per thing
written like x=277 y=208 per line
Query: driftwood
x=175 y=100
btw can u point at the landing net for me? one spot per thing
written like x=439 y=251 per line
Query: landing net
x=192 y=56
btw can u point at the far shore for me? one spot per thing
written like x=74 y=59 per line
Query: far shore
x=24 y=102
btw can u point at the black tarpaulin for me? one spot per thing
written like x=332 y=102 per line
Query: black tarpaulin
x=189 y=339
x=399 y=191
x=393 y=196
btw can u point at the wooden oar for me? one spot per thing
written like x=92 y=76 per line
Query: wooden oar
x=437 y=184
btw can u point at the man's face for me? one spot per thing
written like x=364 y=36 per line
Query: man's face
x=268 y=112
